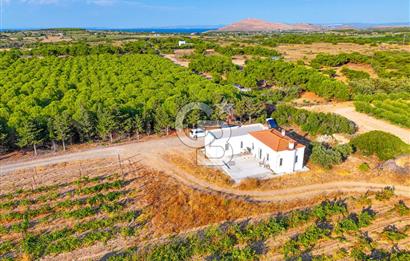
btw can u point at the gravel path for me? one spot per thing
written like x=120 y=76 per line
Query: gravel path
x=365 y=122
x=151 y=153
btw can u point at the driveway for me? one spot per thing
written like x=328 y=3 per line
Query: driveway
x=365 y=122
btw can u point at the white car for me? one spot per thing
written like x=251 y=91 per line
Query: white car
x=197 y=133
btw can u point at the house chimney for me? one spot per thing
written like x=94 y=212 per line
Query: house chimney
x=291 y=145
x=283 y=132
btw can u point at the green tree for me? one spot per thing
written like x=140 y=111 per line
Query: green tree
x=106 y=124
x=30 y=134
x=85 y=123
x=62 y=127
x=4 y=134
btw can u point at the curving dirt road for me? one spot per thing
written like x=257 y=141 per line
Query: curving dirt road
x=151 y=154
x=365 y=122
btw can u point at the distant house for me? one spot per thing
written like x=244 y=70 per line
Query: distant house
x=181 y=43
x=241 y=88
x=272 y=148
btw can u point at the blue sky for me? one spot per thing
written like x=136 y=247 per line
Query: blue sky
x=161 y=13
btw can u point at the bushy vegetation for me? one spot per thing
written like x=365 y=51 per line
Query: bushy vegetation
x=313 y=122
x=281 y=73
x=247 y=50
x=379 y=86
x=387 y=64
x=214 y=64
x=352 y=37
x=384 y=145
x=394 y=107
x=330 y=60
x=401 y=208
x=385 y=194
x=391 y=64
x=392 y=233
x=354 y=74
x=327 y=156
x=356 y=221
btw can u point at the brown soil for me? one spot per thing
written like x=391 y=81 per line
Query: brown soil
x=309 y=98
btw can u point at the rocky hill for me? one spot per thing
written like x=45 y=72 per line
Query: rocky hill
x=256 y=25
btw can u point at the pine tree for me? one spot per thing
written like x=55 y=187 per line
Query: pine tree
x=29 y=133
x=106 y=124
x=61 y=127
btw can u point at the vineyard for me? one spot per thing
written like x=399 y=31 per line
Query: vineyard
x=54 y=219
x=340 y=229
x=394 y=107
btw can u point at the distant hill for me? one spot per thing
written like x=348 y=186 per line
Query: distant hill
x=256 y=25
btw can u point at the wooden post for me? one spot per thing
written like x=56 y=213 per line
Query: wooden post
x=119 y=162
x=81 y=172
x=34 y=183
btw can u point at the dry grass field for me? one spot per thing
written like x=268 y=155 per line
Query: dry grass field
x=345 y=172
x=93 y=213
x=306 y=52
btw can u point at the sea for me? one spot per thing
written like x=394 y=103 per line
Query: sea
x=133 y=30
x=158 y=30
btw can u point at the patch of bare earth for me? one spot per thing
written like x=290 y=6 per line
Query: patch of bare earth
x=309 y=98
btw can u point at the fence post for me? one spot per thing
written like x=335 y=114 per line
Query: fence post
x=119 y=162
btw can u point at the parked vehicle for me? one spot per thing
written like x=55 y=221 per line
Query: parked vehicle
x=197 y=133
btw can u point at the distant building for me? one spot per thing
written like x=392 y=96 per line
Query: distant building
x=181 y=43
x=272 y=148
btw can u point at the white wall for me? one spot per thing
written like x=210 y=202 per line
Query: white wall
x=215 y=149
x=288 y=157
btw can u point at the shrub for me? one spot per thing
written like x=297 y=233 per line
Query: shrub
x=327 y=157
x=401 y=208
x=364 y=167
x=354 y=74
x=384 y=145
x=386 y=194
x=392 y=233
x=313 y=122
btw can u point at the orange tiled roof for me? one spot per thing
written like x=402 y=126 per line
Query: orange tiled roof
x=275 y=140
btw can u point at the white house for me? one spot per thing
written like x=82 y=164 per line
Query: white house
x=181 y=43
x=229 y=141
x=278 y=151
x=271 y=148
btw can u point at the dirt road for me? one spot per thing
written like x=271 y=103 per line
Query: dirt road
x=151 y=153
x=365 y=122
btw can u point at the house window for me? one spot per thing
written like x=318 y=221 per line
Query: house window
x=253 y=146
x=241 y=144
x=280 y=162
x=226 y=146
x=267 y=157
x=260 y=153
x=296 y=159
